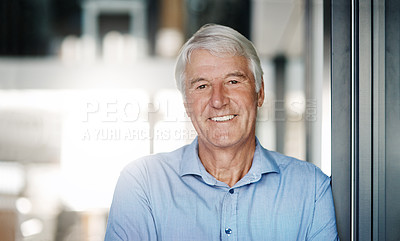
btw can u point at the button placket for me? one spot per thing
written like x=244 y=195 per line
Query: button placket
x=229 y=215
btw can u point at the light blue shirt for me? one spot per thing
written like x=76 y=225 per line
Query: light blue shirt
x=171 y=197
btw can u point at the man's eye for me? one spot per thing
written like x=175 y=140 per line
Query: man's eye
x=200 y=87
x=233 y=81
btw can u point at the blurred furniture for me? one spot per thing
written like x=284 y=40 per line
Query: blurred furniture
x=8 y=225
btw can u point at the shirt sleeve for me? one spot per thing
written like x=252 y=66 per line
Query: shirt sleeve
x=130 y=216
x=324 y=221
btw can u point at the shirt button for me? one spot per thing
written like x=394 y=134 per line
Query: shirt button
x=231 y=191
x=228 y=231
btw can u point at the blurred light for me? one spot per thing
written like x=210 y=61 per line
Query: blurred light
x=88 y=48
x=131 y=49
x=12 y=179
x=169 y=41
x=169 y=136
x=265 y=129
x=70 y=49
x=326 y=130
x=31 y=227
x=118 y=48
x=295 y=105
x=74 y=49
x=170 y=104
x=113 y=48
x=23 y=205
x=29 y=121
x=174 y=128
x=43 y=189
x=102 y=132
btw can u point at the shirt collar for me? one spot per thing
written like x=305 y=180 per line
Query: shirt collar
x=190 y=163
x=263 y=163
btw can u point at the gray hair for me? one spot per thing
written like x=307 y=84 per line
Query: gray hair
x=218 y=40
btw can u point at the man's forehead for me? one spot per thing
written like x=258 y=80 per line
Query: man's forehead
x=225 y=62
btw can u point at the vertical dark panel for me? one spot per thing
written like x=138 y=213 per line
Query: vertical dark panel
x=65 y=17
x=10 y=36
x=232 y=13
x=280 y=114
x=392 y=125
x=309 y=50
x=153 y=23
x=341 y=114
x=25 y=28
x=378 y=203
x=365 y=116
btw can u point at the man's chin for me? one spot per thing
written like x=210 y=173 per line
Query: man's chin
x=221 y=141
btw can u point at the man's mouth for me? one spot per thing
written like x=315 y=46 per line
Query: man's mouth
x=223 y=118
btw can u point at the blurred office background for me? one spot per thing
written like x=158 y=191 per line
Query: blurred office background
x=87 y=86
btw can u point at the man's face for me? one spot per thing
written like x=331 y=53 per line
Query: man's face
x=221 y=99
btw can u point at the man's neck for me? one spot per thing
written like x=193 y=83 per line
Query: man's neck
x=229 y=164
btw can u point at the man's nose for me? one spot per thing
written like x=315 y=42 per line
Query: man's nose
x=219 y=96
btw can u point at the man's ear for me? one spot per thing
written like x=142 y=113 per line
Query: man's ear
x=260 y=94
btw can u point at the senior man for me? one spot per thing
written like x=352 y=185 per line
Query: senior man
x=225 y=185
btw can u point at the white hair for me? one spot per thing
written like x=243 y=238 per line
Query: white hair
x=218 y=40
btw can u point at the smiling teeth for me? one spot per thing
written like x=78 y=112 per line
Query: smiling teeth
x=223 y=118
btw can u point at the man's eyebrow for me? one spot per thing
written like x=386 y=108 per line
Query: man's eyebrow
x=232 y=74
x=195 y=80
x=236 y=74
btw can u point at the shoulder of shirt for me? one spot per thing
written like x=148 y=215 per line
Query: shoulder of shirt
x=156 y=161
x=292 y=164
